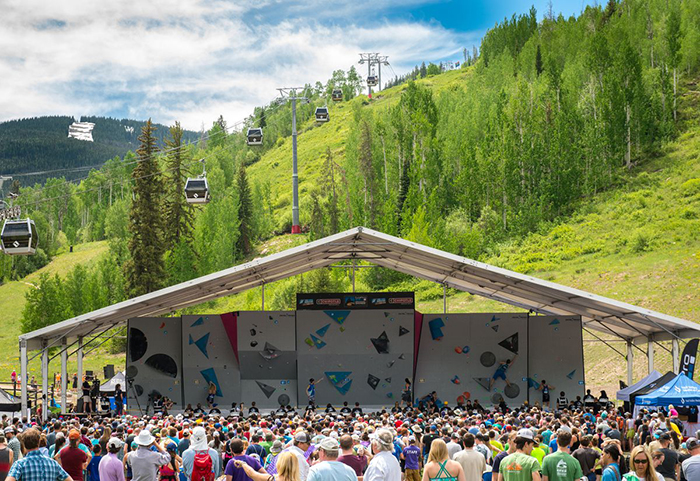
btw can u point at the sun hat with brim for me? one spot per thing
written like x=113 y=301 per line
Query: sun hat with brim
x=416 y=429
x=144 y=438
x=199 y=439
x=276 y=447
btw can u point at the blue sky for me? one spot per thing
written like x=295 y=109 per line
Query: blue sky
x=191 y=60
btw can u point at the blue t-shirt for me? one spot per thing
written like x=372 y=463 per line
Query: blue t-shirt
x=411 y=454
x=553 y=445
x=612 y=473
x=92 y=469
x=311 y=390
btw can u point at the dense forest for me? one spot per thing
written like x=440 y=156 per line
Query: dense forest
x=550 y=111
x=41 y=144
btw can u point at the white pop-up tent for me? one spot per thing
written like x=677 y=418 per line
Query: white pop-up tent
x=624 y=394
x=111 y=385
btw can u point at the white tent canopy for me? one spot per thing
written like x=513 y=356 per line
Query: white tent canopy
x=111 y=385
x=598 y=313
x=624 y=394
x=634 y=324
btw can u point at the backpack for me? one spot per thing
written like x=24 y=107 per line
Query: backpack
x=203 y=467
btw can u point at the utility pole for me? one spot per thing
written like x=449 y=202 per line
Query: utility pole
x=290 y=93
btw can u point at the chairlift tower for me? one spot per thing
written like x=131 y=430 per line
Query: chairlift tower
x=372 y=59
x=290 y=94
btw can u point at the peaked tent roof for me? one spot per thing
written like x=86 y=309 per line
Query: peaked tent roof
x=680 y=391
x=652 y=386
x=8 y=402
x=111 y=385
x=624 y=394
x=520 y=290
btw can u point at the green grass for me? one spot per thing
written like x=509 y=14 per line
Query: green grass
x=12 y=302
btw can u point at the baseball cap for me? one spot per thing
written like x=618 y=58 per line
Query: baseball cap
x=692 y=443
x=302 y=437
x=9 y=429
x=329 y=444
x=664 y=435
x=114 y=443
x=526 y=434
x=74 y=434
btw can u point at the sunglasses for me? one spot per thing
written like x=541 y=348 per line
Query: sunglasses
x=641 y=461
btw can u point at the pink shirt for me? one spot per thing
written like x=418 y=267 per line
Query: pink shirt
x=111 y=468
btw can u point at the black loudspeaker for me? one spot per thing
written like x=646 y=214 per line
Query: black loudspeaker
x=79 y=405
x=109 y=371
x=88 y=374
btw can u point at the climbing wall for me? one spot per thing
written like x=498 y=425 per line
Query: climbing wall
x=556 y=356
x=362 y=355
x=459 y=353
x=267 y=352
x=153 y=360
x=209 y=344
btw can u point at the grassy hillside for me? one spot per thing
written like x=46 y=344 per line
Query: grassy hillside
x=12 y=301
x=639 y=242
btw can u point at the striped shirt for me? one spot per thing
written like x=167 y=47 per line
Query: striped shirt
x=35 y=467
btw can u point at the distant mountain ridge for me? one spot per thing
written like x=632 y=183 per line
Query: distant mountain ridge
x=41 y=144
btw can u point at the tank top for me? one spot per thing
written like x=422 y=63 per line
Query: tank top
x=4 y=463
x=443 y=474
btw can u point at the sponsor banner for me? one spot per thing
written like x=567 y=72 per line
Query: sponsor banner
x=688 y=358
x=360 y=300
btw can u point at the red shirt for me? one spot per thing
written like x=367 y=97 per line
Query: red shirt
x=72 y=460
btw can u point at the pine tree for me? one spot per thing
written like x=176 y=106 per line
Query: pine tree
x=245 y=212
x=673 y=42
x=423 y=70
x=145 y=271
x=538 y=62
x=178 y=214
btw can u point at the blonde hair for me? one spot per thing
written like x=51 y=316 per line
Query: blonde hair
x=287 y=466
x=438 y=451
x=649 y=472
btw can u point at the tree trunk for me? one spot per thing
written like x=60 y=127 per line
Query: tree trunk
x=386 y=173
x=675 y=86
x=628 y=154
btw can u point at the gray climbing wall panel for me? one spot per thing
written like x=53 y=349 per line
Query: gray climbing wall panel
x=267 y=352
x=556 y=356
x=362 y=355
x=209 y=354
x=154 y=358
x=459 y=354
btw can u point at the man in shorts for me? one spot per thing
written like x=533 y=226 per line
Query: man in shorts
x=501 y=371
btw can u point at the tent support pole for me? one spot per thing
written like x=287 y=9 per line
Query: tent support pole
x=676 y=359
x=650 y=353
x=353 y=276
x=630 y=364
x=263 y=297
x=64 y=376
x=80 y=362
x=444 y=298
x=23 y=372
x=44 y=381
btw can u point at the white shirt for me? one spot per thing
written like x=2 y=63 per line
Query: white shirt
x=383 y=467
x=303 y=464
x=331 y=471
x=452 y=449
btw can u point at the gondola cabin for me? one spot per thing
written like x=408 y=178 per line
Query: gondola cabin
x=322 y=114
x=372 y=81
x=337 y=95
x=197 y=191
x=255 y=136
x=19 y=237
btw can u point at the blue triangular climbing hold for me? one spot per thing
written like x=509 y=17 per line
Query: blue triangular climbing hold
x=198 y=322
x=191 y=340
x=317 y=342
x=209 y=375
x=201 y=343
x=495 y=319
x=322 y=332
x=338 y=316
x=554 y=322
x=340 y=380
x=571 y=374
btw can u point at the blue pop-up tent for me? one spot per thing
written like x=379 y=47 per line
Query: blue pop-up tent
x=680 y=391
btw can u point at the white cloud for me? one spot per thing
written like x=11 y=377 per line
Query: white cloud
x=188 y=61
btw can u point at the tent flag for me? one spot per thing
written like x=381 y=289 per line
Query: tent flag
x=681 y=391
x=688 y=358
x=624 y=393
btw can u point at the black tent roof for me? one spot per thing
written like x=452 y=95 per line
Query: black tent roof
x=8 y=402
x=652 y=386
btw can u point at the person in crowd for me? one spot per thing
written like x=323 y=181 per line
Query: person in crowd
x=356 y=460
x=328 y=468
x=440 y=466
x=561 y=466
x=407 y=393
x=473 y=462
x=641 y=467
x=287 y=469
x=72 y=458
x=201 y=454
x=35 y=466
x=670 y=467
x=383 y=466
x=302 y=442
x=611 y=463
x=6 y=458
x=520 y=466
x=144 y=461
x=546 y=389
x=587 y=458
x=413 y=460
x=691 y=466
x=111 y=467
